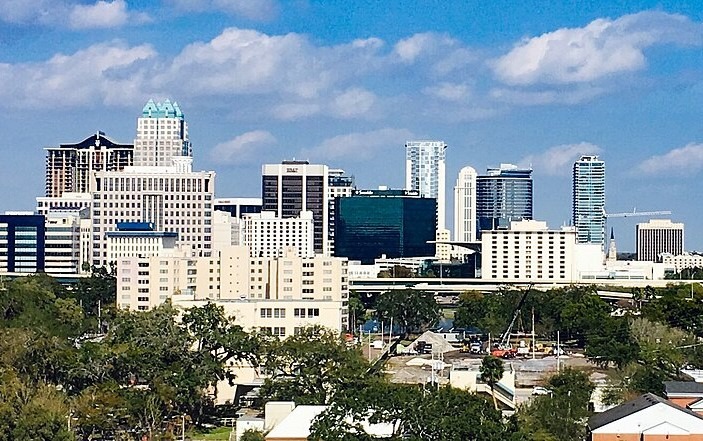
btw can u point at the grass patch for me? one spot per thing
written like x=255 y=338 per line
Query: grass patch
x=217 y=433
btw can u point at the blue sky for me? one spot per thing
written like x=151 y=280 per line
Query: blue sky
x=347 y=83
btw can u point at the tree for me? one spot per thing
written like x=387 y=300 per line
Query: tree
x=410 y=309
x=491 y=372
x=252 y=435
x=471 y=310
x=560 y=415
x=613 y=343
x=433 y=414
x=357 y=310
x=97 y=292
x=311 y=367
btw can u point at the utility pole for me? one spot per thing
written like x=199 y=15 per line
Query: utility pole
x=533 y=332
x=558 y=350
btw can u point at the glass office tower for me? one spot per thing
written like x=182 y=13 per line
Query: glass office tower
x=503 y=194
x=397 y=223
x=589 y=200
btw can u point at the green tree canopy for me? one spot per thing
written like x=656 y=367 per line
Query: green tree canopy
x=311 y=367
x=410 y=309
x=492 y=370
x=560 y=415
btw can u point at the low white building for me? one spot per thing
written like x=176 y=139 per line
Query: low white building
x=268 y=235
x=682 y=261
x=530 y=251
x=68 y=242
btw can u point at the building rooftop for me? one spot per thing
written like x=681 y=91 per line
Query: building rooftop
x=683 y=387
x=161 y=110
x=643 y=402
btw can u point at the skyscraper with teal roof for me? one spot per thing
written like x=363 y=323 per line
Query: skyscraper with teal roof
x=162 y=135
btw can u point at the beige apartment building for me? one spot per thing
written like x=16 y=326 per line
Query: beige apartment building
x=278 y=294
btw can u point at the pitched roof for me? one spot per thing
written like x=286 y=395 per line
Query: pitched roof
x=683 y=387
x=631 y=407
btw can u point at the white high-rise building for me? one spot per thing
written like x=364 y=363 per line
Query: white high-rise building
x=658 y=236
x=162 y=134
x=465 y=206
x=425 y=172
x=174 y=199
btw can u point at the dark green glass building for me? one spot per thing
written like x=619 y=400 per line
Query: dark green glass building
x=397 y=223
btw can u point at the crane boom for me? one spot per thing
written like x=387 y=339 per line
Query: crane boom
x=634 y=213
x=505 y=338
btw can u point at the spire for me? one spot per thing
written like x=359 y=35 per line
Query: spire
x=612 y=234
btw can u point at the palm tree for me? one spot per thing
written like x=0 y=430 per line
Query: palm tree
x=491 y=372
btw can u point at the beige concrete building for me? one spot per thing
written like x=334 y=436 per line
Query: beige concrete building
x=278 y=294
x=659 y=236
x=682 y=261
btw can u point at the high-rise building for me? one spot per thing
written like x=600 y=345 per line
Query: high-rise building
x=67 y=241
x=291 y=187
x=658 y=236
x=397 y=223
x=162 y=134
x=503 y=195
x=174 y=199
x=465 y=221
x=339 y=185
x=68 y=166
x=425 y=172
x=589 y=200
x=22 y=242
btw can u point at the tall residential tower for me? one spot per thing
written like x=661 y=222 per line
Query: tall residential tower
x=465 y=226
x=589 y=200
x=425 y=172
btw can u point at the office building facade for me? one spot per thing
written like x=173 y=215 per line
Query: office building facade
x=22 y=242
x=162 y=134
x=397 y=223
x=588 y=204
x=425 y=172
x=465 y=220
x=503 y=195
x=174 y=199
x=67 y=242
x=295 y=186
x=68 y=166
x=659 y=236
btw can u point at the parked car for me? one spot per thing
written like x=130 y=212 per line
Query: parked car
x=539 y=390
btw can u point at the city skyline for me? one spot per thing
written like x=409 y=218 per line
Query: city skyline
x=499 y=83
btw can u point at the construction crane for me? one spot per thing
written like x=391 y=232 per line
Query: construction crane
x=634 y=213
x=504 y=349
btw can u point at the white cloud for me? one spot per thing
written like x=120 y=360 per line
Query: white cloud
x=447 y=55
x=58 y=13
x=558 y=160
x=352 y=103
x=103 y=14
x=260 y=10
x=449 y=91
x=295 y=111
x=603 y=47
x=577 y=95
x=243 y=149
x=683 y=160
x=108 y=73
x=358 y=146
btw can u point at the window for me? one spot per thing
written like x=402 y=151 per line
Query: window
x=313 y=312
x=279 y=331
x=279 y=313
x=266 y=313
x=299 y=312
